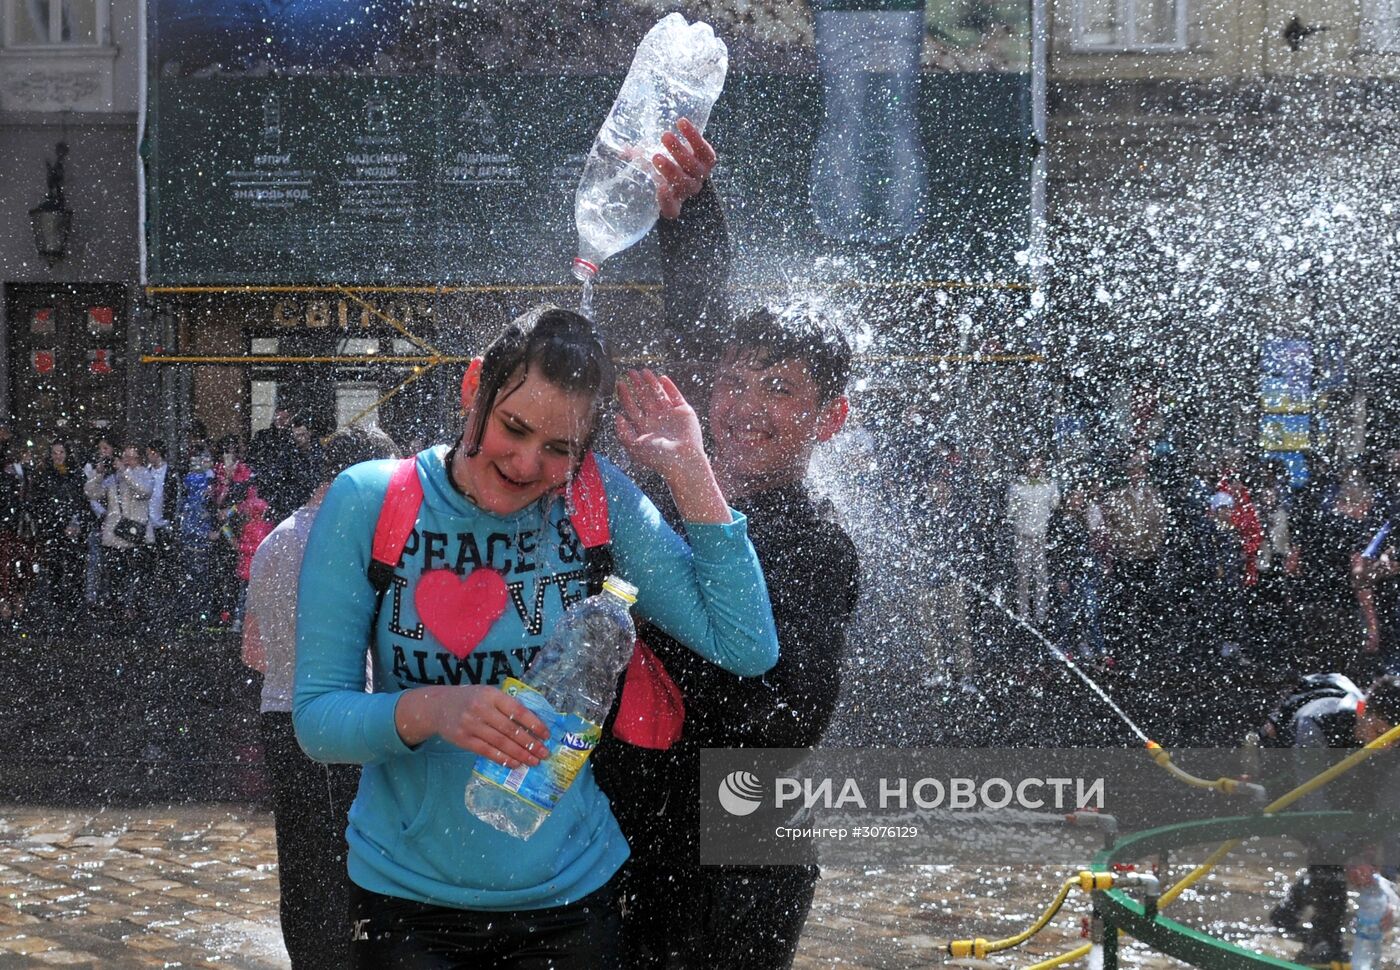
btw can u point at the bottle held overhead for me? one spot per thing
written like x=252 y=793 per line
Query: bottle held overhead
x=677 y=72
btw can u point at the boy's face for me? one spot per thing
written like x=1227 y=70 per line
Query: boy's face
x=765 y=418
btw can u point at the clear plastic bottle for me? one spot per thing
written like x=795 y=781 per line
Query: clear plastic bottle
x=1377 y=900
x=677 y=72
x=570 y=687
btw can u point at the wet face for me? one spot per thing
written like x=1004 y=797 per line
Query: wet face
x=765 y=418
x=531 y=441
x=153 y=458
x=301 y=435
x=104 y=450
x=131 y=456
x=58 y=454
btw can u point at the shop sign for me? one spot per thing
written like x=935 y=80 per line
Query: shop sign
x=350 y=314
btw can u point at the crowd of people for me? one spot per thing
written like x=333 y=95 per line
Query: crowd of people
x=1157 y=561
x=108 y=531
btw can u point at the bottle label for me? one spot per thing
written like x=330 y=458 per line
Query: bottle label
x=571 y=741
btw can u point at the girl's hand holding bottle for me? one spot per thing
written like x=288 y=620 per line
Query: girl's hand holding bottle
x=477 y=718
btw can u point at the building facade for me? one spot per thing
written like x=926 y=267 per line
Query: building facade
x=1220 y=172
x=69 y=101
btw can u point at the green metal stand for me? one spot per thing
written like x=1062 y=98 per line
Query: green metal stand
x=1118 y=911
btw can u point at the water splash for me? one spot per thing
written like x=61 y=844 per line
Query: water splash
x=1056 y=652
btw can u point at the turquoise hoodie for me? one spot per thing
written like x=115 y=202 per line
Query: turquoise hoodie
x=410 y=833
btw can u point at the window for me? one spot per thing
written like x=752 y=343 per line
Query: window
x=1380 y=26
x=55 y=23
x=1131 y=25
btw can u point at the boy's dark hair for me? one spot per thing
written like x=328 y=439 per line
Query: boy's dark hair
x=563 y=346
x=300 y=421
x=156 y=445
x=1383 y=699
x=768 y=335
x=352 y=445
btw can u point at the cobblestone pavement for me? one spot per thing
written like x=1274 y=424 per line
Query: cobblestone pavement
x=196 y=886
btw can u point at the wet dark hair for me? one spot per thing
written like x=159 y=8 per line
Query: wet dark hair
x=769 y=335
x=156 y=445
x=1383 y=699
x=352 y=445
x=562 y=346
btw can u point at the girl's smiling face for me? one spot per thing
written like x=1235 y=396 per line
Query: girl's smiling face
x=532 y=440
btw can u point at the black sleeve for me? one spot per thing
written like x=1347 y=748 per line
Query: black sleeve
x=813 y=590
x=695 y=266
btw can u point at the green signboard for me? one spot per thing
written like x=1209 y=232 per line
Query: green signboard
x=423 y=143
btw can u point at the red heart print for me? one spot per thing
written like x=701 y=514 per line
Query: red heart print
x=459 y=611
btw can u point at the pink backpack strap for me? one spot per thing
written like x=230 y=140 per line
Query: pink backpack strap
x=588 y=504
x=396 y=518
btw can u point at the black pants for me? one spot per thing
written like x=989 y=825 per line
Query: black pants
x=309 y=804
x=702 y=918
x=398 y=934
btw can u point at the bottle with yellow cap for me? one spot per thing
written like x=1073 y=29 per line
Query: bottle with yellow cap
x=569 y=686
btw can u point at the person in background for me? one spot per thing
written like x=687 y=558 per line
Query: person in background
x=99 y=467
x=942 y=530
x=1223 y=554
x=1136 y=519
x=232 y=479
x=1329 y=569
x=271 y=442
x=126 y=530
x=14 y=555
x=1315 y=908
x=197 y=534
x=1275 y=621
x=309 y=799
x=1031 y=500
x=287 y=465
x=60 y=511
x=1076 y=542
x=303 y=466
x=253 y=527
x=160 y=585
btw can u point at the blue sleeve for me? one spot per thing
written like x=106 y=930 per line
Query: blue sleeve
x=335 y=719
x=709 y=595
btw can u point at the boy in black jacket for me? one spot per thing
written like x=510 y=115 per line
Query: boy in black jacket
x=779 y=390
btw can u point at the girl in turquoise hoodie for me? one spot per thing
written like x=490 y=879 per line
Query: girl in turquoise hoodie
x=435 y=886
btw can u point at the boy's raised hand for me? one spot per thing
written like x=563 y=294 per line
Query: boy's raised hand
x=656 y=424
x=660 y=431
x=681 y=174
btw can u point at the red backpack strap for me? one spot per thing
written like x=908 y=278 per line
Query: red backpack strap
x=396 y=518
x=588 y=504
x=651 y=708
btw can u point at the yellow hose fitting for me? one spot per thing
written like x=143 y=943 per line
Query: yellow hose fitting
x=1158 y=754
x=1089 y=881
x=962 y=949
